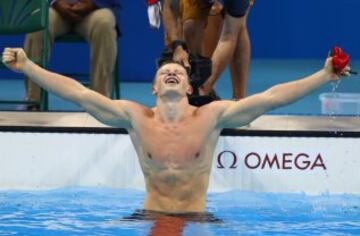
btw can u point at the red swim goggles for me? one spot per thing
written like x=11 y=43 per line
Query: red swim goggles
x=340 y=60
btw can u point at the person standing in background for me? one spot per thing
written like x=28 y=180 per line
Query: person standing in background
x=232 y=49
x=196 y=26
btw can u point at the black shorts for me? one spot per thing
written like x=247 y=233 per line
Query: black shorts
x=236 y=8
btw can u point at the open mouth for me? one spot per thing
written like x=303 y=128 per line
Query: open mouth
x=171 y=80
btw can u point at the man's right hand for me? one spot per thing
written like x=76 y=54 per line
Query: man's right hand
x=64 y=9
x=15 y=59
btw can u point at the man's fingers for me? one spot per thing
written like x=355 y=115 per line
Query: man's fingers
x=7 y=53
x=346 y=71
x=7 y=59
x=8 y=56
x=186 y=63
x=12 y=51
x=347 y=68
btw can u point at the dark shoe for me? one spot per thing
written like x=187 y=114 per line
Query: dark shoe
x=33 y=107
x=214 y=95
x=198 y=100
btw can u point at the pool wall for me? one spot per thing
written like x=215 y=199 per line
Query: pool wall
x=313 y=165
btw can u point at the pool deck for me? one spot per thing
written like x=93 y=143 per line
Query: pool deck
x=270 y=123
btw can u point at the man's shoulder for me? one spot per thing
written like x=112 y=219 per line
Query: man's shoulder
x=132 y=106
x=220 y=104
x=215 y=107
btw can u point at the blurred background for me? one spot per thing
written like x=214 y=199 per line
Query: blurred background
x=289 y=39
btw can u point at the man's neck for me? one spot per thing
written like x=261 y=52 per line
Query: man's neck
x=172 y=110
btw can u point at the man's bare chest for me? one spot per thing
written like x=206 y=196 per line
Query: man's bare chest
x=176 y=145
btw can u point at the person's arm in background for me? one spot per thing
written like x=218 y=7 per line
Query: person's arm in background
x=173 y=28
x=110 y=112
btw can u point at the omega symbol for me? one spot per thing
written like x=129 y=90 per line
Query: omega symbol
x=220 y=164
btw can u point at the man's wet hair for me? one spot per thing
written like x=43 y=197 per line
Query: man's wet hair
x=171 y=61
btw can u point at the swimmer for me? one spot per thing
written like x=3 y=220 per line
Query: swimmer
x=174 y=141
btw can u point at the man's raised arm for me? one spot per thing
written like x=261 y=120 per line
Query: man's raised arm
x=240 y=113
x=110 y=112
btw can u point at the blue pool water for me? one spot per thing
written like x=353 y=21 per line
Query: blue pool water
x=101 y=211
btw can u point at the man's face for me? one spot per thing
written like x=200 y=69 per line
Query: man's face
x=171 y=78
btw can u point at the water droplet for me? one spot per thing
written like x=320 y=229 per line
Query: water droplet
x=334 y=105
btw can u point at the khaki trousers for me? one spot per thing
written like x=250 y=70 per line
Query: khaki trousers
x=98 y=28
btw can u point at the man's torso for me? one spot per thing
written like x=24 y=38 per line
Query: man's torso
x=176 y=159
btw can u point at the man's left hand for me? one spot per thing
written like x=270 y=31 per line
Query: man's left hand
x=83 y=7
x=333 y=75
